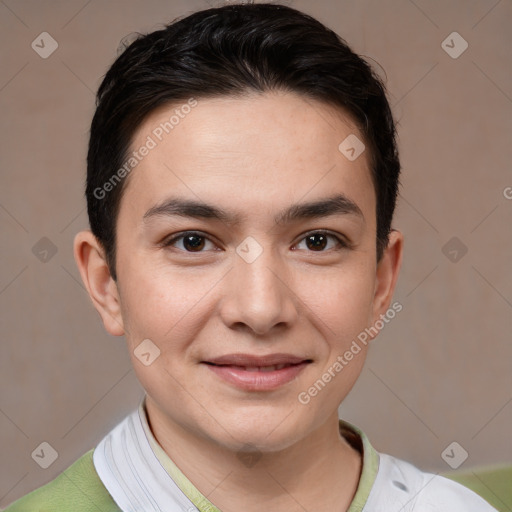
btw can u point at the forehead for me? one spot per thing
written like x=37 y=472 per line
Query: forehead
x=252 y=152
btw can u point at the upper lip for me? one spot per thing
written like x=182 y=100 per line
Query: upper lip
x=256 y=361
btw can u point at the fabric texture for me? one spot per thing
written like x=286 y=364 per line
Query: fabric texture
x=131 y=472
x=76 y=489
x=401 y=487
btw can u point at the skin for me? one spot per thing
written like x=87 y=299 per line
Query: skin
x=252 y=156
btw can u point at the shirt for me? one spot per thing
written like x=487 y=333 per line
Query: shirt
x=386 y=484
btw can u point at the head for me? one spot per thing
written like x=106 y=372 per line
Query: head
x=231 y=218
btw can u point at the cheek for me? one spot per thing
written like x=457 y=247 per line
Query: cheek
x=341 y=301
x=163 y=309
x=163 y=306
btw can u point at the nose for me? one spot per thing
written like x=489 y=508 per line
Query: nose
x=257 y=296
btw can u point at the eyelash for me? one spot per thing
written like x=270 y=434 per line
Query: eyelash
x=343 y=244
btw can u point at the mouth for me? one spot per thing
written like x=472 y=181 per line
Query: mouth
x=253 y=373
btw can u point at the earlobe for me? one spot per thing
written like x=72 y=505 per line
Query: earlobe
x=388 y=269
x=91 y=262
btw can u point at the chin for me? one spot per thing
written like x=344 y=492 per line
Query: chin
x=266 y=431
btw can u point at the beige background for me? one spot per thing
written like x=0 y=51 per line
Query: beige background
x=440 y=372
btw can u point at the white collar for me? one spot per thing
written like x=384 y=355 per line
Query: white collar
x=132 y=473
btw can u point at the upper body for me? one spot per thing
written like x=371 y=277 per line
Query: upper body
x=386 y=484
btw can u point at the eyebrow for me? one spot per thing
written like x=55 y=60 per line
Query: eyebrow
x=335 y=205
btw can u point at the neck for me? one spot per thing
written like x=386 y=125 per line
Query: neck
x=320 y=472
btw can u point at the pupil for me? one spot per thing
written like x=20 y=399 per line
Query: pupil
x=316 y=241
x=193 y=242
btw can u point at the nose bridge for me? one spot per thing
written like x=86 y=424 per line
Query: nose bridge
x=257 y=295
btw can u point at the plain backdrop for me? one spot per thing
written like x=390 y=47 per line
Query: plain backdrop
x=439 y=372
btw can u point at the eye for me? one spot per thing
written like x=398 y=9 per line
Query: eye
x=319 y=241
x=190 y=241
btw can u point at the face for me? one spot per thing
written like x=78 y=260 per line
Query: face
x=246 y=253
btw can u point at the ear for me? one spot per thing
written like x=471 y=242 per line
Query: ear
x=388 y=269
x=91 y=262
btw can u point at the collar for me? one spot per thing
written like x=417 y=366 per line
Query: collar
x=140 y=475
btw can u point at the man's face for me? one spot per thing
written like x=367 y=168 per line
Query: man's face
x=293 y=289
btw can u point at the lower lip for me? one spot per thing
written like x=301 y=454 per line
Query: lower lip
x=257 y=381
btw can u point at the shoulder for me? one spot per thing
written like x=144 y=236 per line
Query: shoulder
x=77 y=488
x=399 y=483
x=494 y=483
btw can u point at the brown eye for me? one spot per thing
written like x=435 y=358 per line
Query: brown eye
x=193 y=242
x=190 y=242
x=316 y=242
x=322 y=241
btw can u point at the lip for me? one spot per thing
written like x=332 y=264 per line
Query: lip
x=255 y=373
